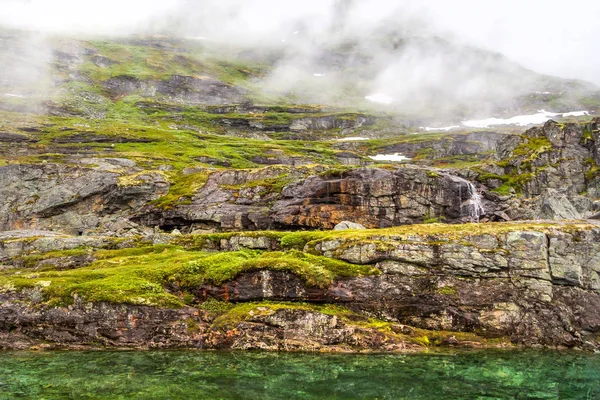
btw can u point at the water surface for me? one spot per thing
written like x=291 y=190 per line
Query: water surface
x=219 y=375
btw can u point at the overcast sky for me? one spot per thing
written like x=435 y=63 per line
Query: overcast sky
x=548 y=36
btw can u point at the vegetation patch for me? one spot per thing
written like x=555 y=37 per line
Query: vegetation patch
x=182 y=189
x=230 y=315
x=142 y=275
x=593 y=171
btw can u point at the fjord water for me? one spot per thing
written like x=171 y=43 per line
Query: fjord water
x=250 y=375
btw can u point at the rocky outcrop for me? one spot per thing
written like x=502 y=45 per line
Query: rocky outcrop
x=554 y=168
x=345 y=225
x=87 y=325
x=536 y=287
x=372 y=197
x=298 y=127
x=548 y=173
x=529 y=284
x=477 y=145
x=97 y=325
x=179 y=89
x=378 y=198
x=74 y=199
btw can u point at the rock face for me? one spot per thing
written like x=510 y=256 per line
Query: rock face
x=376 y=198
x=113 y=161
x=299 y=125
x=86 y=325
x=535 y=285
x=555 y=167
x=97 y=325
x=475 y=144
x=72 y=199
x=177 y=88
x=372 y=197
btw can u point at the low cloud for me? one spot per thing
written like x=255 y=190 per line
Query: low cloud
x=416 y=52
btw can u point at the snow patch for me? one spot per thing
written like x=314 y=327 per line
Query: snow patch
x=576 y=114
x=318 y=75
x=444 y=128
x=352 y=139
x=20 y=96
x=197 y=38
x=379 y=98
x=390 y=157
x=521 y=120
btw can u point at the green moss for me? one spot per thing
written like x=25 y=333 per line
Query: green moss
x=587 y=133
x=334 y=173
x=532 y=147
x=314 y=270
x=273 y=118
x=31 y=261
x=137 y=178
x=593 y=171
x=461 y=162
x=298 y=240
x=426 y=153
x=182 y=189
x=215 y=307
x=240 y=312
x=422 y=340
x=429 y=338
x=511 y=183
x=429 y=218
x=438 y=232
x=448 y=291
x=141 y=275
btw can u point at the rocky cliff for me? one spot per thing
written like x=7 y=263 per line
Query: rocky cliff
x=384 y=290
x=549 y=172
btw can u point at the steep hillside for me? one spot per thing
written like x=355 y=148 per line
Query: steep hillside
x=171 y=192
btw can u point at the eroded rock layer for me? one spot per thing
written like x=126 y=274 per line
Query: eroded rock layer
x=380 y=290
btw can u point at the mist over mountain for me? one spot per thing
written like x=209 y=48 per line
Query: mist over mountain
x=417 y=58
x=539 y=34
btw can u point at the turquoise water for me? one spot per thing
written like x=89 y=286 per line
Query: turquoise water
x=218 y=375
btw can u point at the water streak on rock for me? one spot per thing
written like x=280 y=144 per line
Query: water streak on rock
x=472 y=206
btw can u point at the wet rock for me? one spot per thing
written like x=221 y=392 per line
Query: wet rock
x=99 y=325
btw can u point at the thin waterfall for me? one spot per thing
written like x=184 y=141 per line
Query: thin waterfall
x=472 y=206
